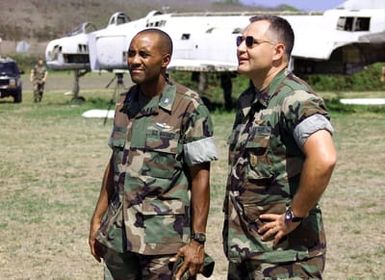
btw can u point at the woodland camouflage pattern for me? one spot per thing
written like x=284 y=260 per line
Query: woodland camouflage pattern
x=265 y=166
x=38 y=73
x=130 y=265
x=151 y=200
x=255 y=270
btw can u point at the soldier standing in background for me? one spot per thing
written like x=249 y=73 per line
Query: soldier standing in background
x=162 y=145
x=281 y=156
x=38 y=77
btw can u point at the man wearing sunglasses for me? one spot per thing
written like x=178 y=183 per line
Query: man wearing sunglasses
x=281 y=156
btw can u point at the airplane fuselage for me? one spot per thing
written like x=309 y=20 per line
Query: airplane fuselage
x=337 y=41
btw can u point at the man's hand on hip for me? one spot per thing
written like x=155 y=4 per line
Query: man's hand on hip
x=275 y=227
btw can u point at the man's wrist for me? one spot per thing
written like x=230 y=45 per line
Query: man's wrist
x=290 y=217
x=199 y=237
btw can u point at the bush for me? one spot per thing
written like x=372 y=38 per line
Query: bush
x=366 y=80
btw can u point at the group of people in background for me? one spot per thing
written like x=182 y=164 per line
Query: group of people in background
x=151 y=215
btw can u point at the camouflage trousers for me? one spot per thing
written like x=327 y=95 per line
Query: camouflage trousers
x=38 y=90
x=132 y=266
x=255 y=270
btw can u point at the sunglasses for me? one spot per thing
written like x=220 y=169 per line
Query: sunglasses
x=250 y=41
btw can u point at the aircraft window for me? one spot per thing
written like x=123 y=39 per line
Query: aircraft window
x=185 y=36
x=345 y=23
x=82 y=48
x=353 y=24
x=237 y=30
x=122 y=19
x=340 y=23
x=157 y=23
x=362 y=24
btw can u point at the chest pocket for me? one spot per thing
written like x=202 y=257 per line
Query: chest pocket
x=161 y=151
x=256 y=148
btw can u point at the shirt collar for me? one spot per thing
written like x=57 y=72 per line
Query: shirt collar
x=167 y=97
x=165 y=101
x=266 y=94
x=255 y=98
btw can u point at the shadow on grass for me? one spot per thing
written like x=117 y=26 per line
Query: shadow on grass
x=97 y=102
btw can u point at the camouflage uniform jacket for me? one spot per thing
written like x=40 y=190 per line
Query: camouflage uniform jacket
x=265 y=167
x=38 y=73
x=153 y=145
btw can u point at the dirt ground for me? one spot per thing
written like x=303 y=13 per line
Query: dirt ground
x=51 y=165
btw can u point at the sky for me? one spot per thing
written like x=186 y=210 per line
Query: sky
x=306 y=5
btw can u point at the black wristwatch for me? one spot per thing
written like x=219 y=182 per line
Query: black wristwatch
x=199 y=237
x=290 y=217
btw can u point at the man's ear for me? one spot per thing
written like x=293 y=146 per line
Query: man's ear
x=166 y=60
x=279 y=51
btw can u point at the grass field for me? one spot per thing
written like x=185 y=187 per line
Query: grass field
x=52 y=160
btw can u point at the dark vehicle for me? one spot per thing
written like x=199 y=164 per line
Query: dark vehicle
x=10 y=82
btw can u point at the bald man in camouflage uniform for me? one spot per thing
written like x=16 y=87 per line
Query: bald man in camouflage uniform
x=281 y=159
x=38 y=78
x=162 y=145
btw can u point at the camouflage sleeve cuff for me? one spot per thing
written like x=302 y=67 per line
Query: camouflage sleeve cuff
x=310 y=125
x=200 y=151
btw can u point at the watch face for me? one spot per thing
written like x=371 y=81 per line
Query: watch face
x=288 y=216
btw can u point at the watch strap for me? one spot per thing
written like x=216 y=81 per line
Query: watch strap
x=199 y=237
